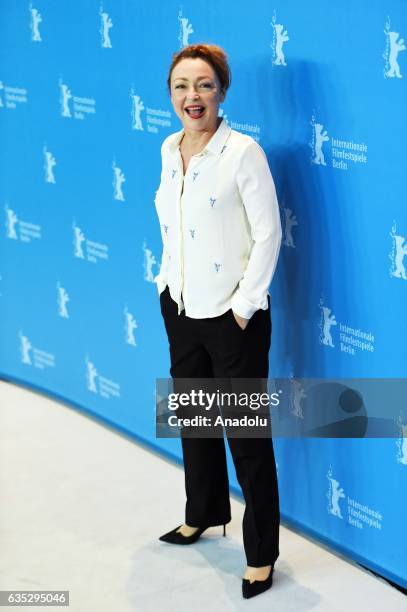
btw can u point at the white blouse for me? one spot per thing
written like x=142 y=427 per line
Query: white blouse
x=220 y=225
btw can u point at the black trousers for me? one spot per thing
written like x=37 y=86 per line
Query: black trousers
x=218 y=347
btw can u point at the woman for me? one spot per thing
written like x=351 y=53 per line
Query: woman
x=221 y=234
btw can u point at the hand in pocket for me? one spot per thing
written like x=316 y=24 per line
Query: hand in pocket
x=240 y=321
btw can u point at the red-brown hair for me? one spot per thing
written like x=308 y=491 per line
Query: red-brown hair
x=212 y=54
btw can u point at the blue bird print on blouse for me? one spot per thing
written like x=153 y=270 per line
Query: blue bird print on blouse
x=195 y=174
x=192 y=232
x=217 y=266
x=165 y=228
x=223 y=148
x=174 y=172
x=212 y=201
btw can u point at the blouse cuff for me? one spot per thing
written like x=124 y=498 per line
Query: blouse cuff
x=160 y=283
x=241 y=306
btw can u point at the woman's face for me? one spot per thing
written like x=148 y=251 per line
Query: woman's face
x=195 y=83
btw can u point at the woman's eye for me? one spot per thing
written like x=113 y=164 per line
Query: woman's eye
x=203 y=85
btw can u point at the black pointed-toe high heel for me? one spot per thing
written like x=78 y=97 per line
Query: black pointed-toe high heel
x=250 y=589
x=176 y=537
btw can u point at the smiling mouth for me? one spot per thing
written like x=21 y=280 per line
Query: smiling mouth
x=195 y=112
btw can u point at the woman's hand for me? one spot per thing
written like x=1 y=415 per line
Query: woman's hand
x=240 y=320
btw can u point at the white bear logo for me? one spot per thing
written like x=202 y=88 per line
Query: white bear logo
x=394 y=45
x=397 y=254
x=185 y=30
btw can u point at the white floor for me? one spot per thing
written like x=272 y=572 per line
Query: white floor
x=79 y=512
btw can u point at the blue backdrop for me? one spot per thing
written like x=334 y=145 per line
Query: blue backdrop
x=83 y=111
